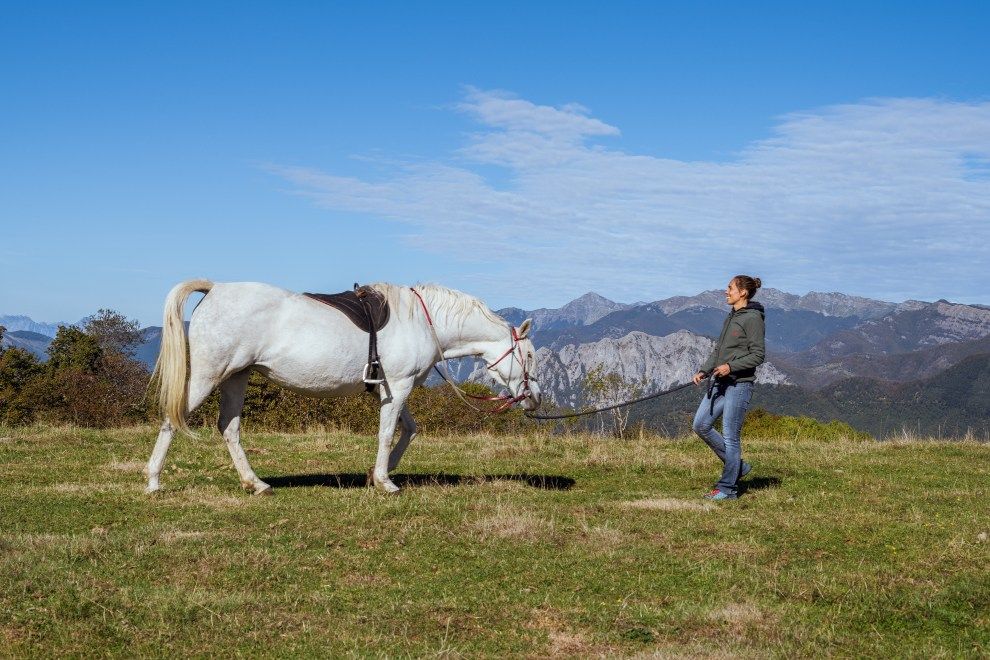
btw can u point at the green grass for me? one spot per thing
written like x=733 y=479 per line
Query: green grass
x=845 y=547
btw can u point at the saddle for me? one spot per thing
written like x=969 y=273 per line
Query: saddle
x=365 y=307
x=368 y=310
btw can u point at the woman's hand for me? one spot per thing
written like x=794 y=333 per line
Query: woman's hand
x=722 y=370
x=698 y=377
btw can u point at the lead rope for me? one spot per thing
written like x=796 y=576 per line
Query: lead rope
x=612 y=407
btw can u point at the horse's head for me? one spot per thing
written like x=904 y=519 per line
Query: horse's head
x=516 y=367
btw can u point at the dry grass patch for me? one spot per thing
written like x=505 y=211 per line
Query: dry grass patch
x=563 y=639
x=607 y=538
x=743 y=620
x=601 y=537
x=127 y=466
x=730 y=549
x=362 y=579
x=737 y=613
x=509 y=523
x=690 y=462
x=668 y=504
x=60 y=545
x=88 y=489
x=603 y=454
x=691 y=651
x=211 y=497
x=177 y=535
x=39 y=541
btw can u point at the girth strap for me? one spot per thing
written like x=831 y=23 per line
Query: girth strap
x=368 y=310
x=373 y=369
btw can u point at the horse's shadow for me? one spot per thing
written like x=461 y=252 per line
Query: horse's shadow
x=360 y=480
x=758 y=483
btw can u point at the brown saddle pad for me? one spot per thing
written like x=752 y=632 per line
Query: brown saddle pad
x=349 y=303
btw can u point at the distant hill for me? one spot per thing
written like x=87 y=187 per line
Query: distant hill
x=581 y=311
x=826 y=304
x=952 y=403
x=151 y=338
x=935 y=324
x=32 y=342
x=17 y=322
x=895 y=367
x=787 y=331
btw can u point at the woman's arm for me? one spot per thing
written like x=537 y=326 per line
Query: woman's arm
x=710 y=362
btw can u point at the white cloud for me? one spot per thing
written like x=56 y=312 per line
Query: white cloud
x=888 y=197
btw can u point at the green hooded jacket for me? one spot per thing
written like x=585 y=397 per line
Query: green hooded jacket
x=741 y=344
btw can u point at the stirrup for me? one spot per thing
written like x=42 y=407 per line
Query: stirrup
x=366 y=376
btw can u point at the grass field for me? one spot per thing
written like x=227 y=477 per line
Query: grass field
x=527 y=546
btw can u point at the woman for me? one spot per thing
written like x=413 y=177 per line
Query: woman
x=732 y=367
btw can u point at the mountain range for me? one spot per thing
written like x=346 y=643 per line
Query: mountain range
x=883 y=367
x=830 y=355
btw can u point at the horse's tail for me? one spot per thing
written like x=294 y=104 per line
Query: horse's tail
x=171 y=369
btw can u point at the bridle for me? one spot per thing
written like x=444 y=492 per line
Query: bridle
x=515 y=349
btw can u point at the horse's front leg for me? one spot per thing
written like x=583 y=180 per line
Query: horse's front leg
x=392 y=405
x=157 y=460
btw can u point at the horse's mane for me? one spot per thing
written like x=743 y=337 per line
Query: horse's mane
x=439 y=299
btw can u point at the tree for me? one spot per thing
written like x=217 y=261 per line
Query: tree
x=18 y=368
x=91 y=378
x=605 y=389
x=73 y=349
x=113 y=332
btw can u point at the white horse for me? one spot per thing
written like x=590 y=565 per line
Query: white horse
x=314 y=349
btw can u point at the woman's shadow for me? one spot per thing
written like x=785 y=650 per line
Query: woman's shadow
x=758 y=483
x=360 y=480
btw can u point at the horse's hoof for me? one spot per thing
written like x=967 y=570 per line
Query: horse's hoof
x=265 y=489
x=387 y=487
x=151 y=490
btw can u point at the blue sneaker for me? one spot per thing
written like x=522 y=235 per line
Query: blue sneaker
x=717 y=496
x=745 y=469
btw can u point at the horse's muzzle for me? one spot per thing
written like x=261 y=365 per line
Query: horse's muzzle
x=534 y=397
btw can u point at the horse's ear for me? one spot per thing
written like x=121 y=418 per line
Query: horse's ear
x=524 y=329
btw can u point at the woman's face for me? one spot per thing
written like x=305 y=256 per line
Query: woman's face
x=733 y=294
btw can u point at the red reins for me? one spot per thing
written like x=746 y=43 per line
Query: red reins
x=508 y=401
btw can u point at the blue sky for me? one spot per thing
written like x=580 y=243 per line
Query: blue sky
x=525 y=154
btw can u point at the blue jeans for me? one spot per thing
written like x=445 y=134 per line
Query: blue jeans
x=731 y=407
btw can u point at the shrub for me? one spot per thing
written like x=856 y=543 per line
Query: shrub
x=764 y=424
x=89 y=379
x=18 y=369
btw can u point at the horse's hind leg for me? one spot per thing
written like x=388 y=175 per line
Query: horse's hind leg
x=407 y=435
x=232 y=393
x=199 y=389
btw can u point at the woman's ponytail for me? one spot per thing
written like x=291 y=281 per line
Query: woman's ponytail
x=749 y=284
